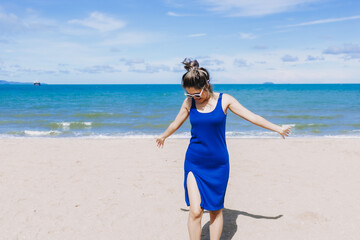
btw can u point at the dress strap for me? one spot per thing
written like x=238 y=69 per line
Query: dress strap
x=193 y=103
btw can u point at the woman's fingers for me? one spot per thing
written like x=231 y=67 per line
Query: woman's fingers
x=159 y=142
x=285 y=132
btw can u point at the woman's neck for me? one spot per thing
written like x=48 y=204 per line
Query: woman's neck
x=209 y=96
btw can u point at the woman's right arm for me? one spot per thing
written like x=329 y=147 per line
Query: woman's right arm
x=176 y=124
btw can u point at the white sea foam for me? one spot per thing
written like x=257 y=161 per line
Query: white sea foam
x=132 y=135
x=41 y=133
x=187 y=135
x=286 y=125
x=65 y=124
x=57 y=134
x=182 y=135
x=251 y=134
x=68 y=125
x=5 y=136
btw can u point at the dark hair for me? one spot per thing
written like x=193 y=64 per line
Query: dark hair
x=196 y=76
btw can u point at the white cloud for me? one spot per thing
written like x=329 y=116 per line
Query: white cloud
x=29 y=70
x=237 y=8
x=8 y=18
x=322 y=21
x=241 y=63
x=172 y=14
x=312 y=58
x=131 y=62
x=275 y=71
x=350 y=51
x=244 y=67
x=141 y=66
x=100 y=22
x=11 y=23
x=261 y=47
x=247 y=36
x=99 y=69
x=289 y=58
x=211 y=64
x=148 y=68
x=197 y=35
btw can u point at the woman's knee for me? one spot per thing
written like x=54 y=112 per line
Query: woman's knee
x=215 y=213
x=196 y=212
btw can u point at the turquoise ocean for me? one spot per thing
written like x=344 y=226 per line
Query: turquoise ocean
x=117 y=111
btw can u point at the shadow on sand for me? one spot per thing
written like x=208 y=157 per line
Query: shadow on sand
x=229 y=227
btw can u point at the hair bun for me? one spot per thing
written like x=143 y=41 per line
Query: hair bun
x=190 y=64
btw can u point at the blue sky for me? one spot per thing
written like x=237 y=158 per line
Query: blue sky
x=130 y=41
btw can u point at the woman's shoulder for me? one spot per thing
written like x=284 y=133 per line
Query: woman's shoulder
x=227 y=98
x=225 y=95
x=218 y=94
x=187 y=103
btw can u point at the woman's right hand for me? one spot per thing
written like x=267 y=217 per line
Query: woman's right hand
x=285 y=131
x=160 y=141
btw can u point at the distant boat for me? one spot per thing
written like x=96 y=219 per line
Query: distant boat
x=37 y=83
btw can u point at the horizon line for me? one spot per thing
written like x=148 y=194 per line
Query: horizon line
x=271 y=83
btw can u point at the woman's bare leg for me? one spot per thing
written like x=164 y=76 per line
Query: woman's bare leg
x=216 y=224
x=196 y=212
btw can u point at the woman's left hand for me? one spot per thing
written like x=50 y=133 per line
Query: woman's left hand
x=160 y=142
x=285 y=131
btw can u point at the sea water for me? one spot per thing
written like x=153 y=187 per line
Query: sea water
x=145 y=111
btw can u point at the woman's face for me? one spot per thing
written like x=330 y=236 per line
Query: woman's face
x=203 y=93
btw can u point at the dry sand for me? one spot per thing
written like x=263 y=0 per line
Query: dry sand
x=128 y=189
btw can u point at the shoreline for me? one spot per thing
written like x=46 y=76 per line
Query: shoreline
x=151 y=139
x=99 y=137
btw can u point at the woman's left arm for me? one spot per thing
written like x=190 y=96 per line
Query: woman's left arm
x=241 y=111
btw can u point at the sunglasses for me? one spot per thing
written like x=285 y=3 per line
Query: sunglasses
x=197 y=95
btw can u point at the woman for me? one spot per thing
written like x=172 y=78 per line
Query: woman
x=207 y=161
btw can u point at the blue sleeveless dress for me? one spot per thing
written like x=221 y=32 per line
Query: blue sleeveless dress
x=207 y=156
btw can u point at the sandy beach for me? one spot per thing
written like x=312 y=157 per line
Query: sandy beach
x=68 y=188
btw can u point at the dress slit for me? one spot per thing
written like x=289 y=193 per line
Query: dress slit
x=198 y=187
